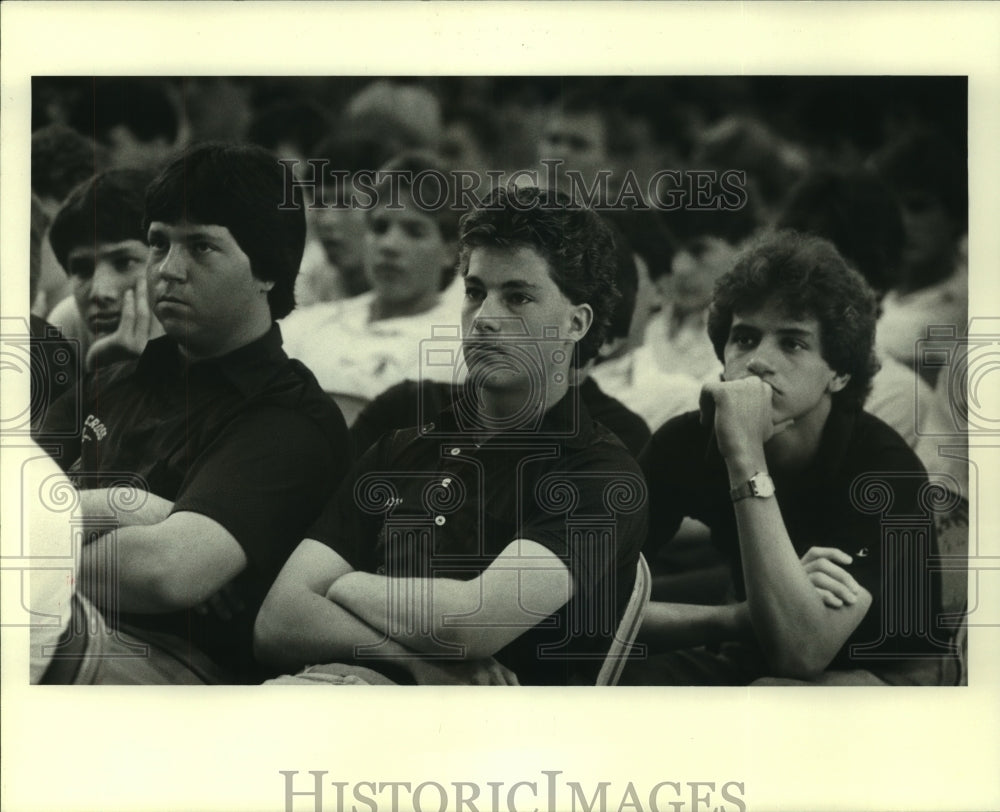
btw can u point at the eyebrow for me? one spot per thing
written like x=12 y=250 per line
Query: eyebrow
x=510 y=284
x=796 y=332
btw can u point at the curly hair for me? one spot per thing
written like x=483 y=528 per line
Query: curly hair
x=808 y=278
x=241 y=187
x=574 y=241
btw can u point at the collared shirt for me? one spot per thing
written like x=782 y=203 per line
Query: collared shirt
x=863 y=493
x=435 y=501
x=248 y=439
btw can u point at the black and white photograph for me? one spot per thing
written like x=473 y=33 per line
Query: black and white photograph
x=375 y=356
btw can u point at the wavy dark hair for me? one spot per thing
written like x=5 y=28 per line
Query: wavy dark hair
x=575 y=242
x=809 y=279
x=241 y=187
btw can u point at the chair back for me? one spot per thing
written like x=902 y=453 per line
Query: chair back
x=623 y=644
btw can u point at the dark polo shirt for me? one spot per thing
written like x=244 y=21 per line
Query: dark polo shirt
x=864 y=493
x=248 y=439
x=428 y=502
x=411 y=402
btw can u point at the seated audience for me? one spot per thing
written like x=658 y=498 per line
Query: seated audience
x=772 y=464
x=929 y=178
x=235 y=444
x=98 y=239
x=361 y=346
x=406 y=403
x=860 y=216
x=61 y=159
x=446 y=556
x=333 y=265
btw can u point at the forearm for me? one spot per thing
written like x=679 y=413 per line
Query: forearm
x=670 y=626
x=797 y=633
x=121 y=507
x=122 y=569
x=411 y=611
x=304 y=628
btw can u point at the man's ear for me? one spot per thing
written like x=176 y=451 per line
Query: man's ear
x=837 y=383
x=580 y=320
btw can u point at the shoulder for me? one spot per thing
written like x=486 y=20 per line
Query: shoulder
x=874 y=445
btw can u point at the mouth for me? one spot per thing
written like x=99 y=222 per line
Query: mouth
x=103 y=323
x=170 y=300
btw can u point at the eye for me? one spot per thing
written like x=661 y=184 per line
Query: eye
x=378 y=225
x=416 y=231
x=157 y=243
x=81 y=267
x=518 y=299
x=474 y=294
x=743 y=340
x=202 y=247
x=794 y=345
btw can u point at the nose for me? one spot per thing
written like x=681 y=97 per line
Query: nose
x=106 y=283
x=760 y=363
x=173 y=267
x=389 y=241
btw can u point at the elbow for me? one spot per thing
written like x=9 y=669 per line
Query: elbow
x=267 y=638
x=801 y=665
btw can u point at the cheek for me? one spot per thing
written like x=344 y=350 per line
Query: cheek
x=81 y=290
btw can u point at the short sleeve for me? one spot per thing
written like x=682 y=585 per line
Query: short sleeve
x=264 y=479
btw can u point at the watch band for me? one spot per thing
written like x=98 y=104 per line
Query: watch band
x=760 y=485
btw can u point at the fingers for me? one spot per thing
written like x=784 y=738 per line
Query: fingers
x=143 y=317
x=834 y=571
x=126 y=326
x=832 y=586
x=830 y=599
x=829 y=553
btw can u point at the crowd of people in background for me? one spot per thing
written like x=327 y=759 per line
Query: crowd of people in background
x=700 y=185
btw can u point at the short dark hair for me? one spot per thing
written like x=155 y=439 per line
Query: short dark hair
x=858 y=213
x=808 y=278
x=627 y=282
x=577 y=245
x=142 y=105
x=923 y=160
x=241 y=187
x=413 y=164
x=649 y=237
x=62 y=159
x=107 y=208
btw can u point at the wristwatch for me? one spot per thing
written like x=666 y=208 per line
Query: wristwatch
x=760 y=485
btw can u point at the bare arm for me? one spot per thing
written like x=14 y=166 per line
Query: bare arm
x=475 y=618
x=173 y=564
x=798 y=633
x=298 y=626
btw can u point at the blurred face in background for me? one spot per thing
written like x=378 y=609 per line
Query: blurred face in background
x=696 y=267
x=579 y=141
x=341 y=228
x=405 y=255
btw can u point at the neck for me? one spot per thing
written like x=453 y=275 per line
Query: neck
x=249 y=333
x=385 y=309
x=500 y=405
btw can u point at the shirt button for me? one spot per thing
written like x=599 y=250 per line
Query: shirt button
x=439 y=520
x=456 y=451
x=446 y=482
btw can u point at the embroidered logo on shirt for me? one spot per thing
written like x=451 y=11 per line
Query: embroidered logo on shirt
x=93 y=429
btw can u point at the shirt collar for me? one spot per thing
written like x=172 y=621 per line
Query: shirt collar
x=248 y=368
x=568 y=421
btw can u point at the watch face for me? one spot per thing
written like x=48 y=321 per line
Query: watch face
x=762 y=485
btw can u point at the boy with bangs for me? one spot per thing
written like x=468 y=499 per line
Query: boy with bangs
x=772 y=464
x=234 y=444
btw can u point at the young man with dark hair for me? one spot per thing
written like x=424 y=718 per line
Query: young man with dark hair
x=784 y=467
x=98 y=238
x=499 y=542
x=361 y=346
x=235 y=444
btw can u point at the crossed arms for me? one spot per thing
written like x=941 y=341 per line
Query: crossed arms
x=321 y=610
